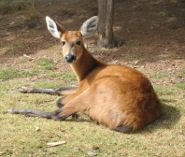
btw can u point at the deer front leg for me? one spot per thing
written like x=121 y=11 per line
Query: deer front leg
x=60 y=104
x=77 y=102
x=57 y=91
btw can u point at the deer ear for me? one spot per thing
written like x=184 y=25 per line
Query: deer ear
x=55 y=29
x=89 y=27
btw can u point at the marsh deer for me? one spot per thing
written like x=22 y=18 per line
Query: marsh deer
x=116 y=96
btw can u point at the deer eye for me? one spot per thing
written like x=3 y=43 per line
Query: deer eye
x=63 y=43
x=78 y=42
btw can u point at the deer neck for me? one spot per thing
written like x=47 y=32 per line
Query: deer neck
x=84 y=65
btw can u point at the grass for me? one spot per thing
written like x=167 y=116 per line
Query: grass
x=41 y=66
x=19 y=136
x=45 y=63
x=160 y=75
x=180 y=85
x=65 y=77
x=183 y=72
x=163 y=90
x=10 y=73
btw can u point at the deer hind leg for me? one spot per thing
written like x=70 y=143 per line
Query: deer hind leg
x=72 y=104
x=36 y=113
x=56 y=115
x=57 y=91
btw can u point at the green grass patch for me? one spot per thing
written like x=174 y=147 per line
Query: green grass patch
x=55 y=75
x=65 y=77
x=183 y=72
x=163 y=90
x=48 y=84
x=180 y=85
x=69 y=76
x=45 y=63
x=160 y=75
x=10 y=73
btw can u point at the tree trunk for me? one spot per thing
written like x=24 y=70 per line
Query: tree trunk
x=105 y=26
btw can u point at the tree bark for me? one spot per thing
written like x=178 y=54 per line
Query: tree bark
x=105 y=26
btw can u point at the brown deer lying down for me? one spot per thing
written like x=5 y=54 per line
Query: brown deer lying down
x=116 y=96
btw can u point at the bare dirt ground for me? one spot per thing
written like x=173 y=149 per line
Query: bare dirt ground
x=151 y=34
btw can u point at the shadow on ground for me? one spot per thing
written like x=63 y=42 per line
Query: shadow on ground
x=171 y=116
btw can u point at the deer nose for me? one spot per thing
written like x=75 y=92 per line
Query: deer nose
x=70 y=58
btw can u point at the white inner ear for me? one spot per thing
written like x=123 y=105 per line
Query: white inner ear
x=52 y=27
x=89 y=27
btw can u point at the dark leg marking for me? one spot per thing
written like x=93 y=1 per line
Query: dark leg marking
x=59 y=104
x=124 y=129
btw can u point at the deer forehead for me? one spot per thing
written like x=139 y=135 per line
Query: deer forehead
x=71 y=36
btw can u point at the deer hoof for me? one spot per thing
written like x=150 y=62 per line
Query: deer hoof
x=75 y=116
x=24 y=89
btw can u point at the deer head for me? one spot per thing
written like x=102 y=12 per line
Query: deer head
x=72 y=41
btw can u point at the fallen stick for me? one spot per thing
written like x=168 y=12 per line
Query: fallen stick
x=53 y=144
